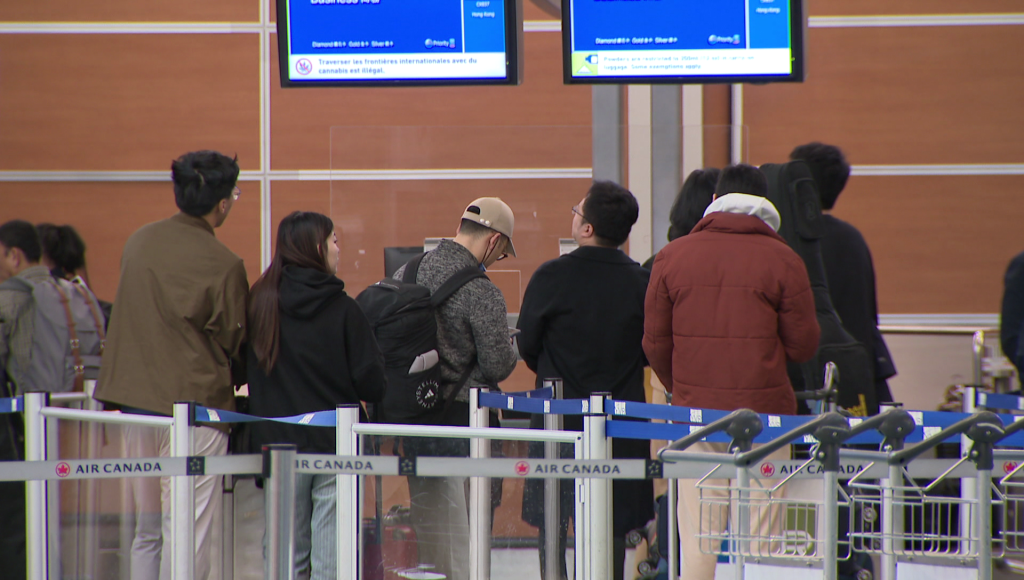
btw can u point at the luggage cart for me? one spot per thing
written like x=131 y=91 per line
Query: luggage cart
x=1012 y=485
x=911 y=525
x=807 y=530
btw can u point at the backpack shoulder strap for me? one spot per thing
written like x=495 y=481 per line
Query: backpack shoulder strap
x=76 y=353
x=94 y=309
x=452 y=285
x=412 y=268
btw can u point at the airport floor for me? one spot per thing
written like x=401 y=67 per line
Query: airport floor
x=506 y=564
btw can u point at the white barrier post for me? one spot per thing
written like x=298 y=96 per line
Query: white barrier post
x=554 y=558
x=53 y=551
x=35 y=491
x=479 y=495
x=182 y=496
x=91 y=491
x=580 y=515
x=969 y=485
x=672 y=541
x=349 y=510
x=599 y=522
x=279 y=473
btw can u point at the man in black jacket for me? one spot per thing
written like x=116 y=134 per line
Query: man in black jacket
x=848 y=266
x=582 y=320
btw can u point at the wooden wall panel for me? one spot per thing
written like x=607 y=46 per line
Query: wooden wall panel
x=888 y=7
x=899 y=96
x=106 y=214
x=131 y=11
x=718 y=125
x=301 y=119
x=940 y=244
x=126 y=101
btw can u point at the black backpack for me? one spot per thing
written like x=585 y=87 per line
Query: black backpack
x=792 y=190
x=402 y=316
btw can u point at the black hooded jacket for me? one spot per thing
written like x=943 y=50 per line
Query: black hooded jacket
x=328 y=356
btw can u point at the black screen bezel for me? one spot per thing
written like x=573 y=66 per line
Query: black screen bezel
x=512 y=56
x=798 y=28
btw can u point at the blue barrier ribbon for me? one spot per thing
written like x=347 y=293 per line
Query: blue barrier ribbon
x=997 y=401
x=317 y=419
x=12 y=405
x=539 y=406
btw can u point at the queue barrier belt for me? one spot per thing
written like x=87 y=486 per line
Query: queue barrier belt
x=388 y=465
x=11 y=405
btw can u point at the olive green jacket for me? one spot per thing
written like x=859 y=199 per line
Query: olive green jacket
x=178 y=320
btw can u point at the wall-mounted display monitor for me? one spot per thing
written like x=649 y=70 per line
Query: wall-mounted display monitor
x=683 y=41
x=399 y=42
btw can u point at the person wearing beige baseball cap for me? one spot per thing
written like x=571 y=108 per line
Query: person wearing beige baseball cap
x=486 y=230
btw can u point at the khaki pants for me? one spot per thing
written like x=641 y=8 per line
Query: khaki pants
x=151 y=556
x=696 y=565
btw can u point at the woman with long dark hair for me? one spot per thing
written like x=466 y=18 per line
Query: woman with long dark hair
x=310 y=349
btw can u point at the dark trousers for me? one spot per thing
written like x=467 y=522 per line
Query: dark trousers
x=12 y=502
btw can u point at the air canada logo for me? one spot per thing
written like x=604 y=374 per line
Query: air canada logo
x=523 y=468
x=427 y=394
x=63 y=469
x=1009 y=466
x=767 y=469
x=303 y=66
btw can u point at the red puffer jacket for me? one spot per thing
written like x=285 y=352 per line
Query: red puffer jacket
x=726 y=307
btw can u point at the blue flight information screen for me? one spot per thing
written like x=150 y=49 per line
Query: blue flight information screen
x=679 y=38
x=394 y=40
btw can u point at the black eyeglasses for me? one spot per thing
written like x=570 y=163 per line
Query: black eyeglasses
x=576 y=210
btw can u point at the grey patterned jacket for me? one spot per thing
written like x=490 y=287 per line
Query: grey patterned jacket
x=472 y=325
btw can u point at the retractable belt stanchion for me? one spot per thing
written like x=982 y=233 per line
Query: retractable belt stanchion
x=35 y=491
x=598 y=500
x=348 y=517
x=552 y=509
x=279 y=473
x=183 y=495
x=479 y=495
x=90 y=488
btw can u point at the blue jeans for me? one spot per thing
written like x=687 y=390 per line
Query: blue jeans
x=315 y=527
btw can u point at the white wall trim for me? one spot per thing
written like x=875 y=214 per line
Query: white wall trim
x=542 y=26
x=133 y=27
x=938 y=169
x=498 y=173
x=940 y=320
x=307 y=175
x=915 y=20
x=1010 y=19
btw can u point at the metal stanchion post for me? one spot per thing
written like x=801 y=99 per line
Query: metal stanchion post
x=35 y=491
x=672 y=541
x=968 y=485
x=53 y=551
x=479 y=495
x=580 y=557
x=349 y=562
x=182 y=496
x=599 y=520
x=279 y=473
x=90 y=505
x=892 y=510
x=554 y=558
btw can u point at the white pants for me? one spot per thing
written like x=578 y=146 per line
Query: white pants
x=152 y=499
x=715 y=516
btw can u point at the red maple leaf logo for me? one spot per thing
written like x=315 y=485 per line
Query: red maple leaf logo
x=63 y=469
x=1009 y=466
x=767 y=469
x=522 y=468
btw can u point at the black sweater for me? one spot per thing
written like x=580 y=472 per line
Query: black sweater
x=328 y=356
